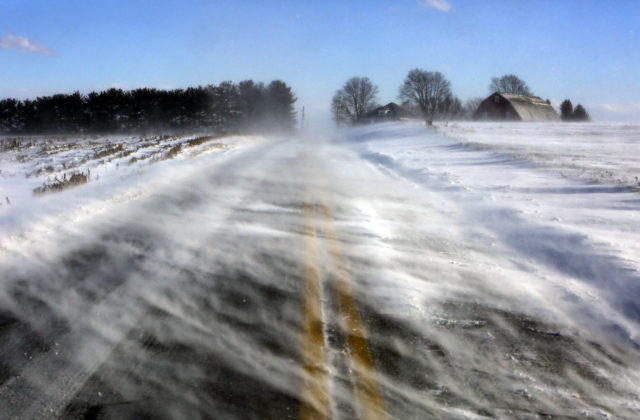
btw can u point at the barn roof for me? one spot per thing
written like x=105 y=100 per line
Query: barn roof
x=531 y=108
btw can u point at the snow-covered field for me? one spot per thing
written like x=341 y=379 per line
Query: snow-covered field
x=117 y=169
x=596 y=152
x=535 y=194
x=495 y=268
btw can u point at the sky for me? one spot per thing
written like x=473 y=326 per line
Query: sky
x=587 y=51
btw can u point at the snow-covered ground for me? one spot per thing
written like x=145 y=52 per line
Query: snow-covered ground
x=118 y=169
x=596 y=152
x=494 y=277
x=519 y=192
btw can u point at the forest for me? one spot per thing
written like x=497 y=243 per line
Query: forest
x=246 y=106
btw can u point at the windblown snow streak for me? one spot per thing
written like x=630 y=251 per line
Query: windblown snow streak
x=485 y=284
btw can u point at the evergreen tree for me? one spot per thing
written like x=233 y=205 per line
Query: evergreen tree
x=580 y=114
x=252 y=102
x=9 y=115
x=226 y=106
x=280 y=100
x=225 y=109
x=566 y=110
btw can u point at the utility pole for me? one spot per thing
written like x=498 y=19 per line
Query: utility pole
x=302 y=119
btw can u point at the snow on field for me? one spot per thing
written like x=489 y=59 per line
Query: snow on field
x=602 y=153
x=526 y=196
x=117 y=169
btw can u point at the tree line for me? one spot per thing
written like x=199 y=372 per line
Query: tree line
x=568 y=113
x=428 y=94
x=246 y=105
x=423 y=92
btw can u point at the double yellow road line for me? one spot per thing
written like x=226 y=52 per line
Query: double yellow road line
x=315 y=392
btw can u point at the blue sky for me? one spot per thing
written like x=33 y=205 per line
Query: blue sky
x=588 y=51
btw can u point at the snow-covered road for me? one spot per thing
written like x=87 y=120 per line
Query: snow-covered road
x=386 y=271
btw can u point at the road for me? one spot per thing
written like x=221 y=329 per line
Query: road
x=293 y=278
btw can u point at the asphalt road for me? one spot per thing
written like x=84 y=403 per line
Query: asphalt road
x=262 y=286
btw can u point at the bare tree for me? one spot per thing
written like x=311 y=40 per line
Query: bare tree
x=509 y=83
x=471 y=106
x=451 y=108
x=354 y=100
x=429 y=91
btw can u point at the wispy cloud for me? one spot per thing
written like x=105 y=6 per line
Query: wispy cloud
x=442 y=5
x=21 y=43
x=620 y=108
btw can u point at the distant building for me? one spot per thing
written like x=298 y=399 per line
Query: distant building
x=509 y=106
x=389 y=112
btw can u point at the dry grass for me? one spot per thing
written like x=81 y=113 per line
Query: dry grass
x=200 y=140
x=75 y=179
x=9 y=144
x=49 y=169
x=173 y=152
x=107 y=151
x=203 y=139
x=125 y=153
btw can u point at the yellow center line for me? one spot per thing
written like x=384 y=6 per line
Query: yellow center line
x=367 y=389
x=314 y=398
